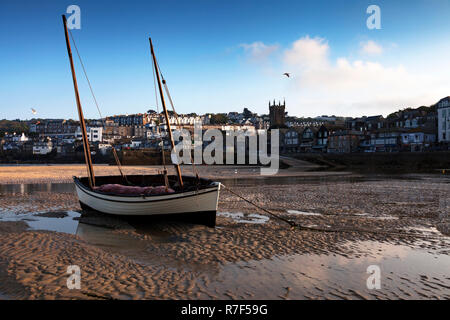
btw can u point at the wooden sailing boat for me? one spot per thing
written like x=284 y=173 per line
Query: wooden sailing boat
x=193 y=198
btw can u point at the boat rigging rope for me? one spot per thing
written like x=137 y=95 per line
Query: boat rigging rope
x=179 y=123
x=159 y=119
x=116 y=158
x=297 y=226
x=119 y=166
x=194 y=168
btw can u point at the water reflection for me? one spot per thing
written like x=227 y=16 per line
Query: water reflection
x=405 y=273
x=314 y=179
x=50 y=221
x=267 y=180
x=25 y=188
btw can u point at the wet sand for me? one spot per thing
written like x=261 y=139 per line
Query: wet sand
x=399 y=223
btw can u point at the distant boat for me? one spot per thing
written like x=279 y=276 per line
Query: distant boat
x=189 y=197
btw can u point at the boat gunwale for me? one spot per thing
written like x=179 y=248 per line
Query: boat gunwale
x=213 y=187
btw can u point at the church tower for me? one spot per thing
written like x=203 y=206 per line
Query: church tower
x=277 y=114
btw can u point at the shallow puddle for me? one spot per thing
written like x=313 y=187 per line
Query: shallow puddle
x=65 y=224
x=405 y=273
x=302 y=213
x=244 y=217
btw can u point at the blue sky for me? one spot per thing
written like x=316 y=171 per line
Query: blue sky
x=221 y=56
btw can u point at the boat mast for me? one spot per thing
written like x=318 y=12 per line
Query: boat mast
x=166 y=114
x=87 y=150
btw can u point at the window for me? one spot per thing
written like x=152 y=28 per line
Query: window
x=307 y=134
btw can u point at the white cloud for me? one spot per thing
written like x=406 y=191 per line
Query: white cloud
x=258 y=51
x=371 y=48
x=308 y=53
x=353 y=87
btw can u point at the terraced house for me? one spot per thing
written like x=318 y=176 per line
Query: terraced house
x=444 y=120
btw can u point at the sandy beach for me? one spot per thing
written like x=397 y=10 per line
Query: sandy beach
x=14 y=174
x=354 y=221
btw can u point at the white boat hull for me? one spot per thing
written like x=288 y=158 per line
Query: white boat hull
x=204 y=200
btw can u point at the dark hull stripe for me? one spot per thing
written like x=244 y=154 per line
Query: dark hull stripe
x=207 y=218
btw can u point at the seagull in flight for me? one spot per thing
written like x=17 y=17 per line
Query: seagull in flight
x=33 y=111
x=287 y=74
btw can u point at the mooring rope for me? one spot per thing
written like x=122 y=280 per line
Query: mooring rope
x=290 y=222
x=295 y=225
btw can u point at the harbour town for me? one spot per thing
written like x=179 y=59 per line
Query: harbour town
x=224 y=155
x=421 y=129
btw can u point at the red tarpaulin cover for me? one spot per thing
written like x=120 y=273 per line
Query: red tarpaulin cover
x=131 y=190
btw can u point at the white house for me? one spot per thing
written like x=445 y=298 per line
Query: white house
x=206 y=119
x=412 y=123
x=23 y=137
x=104 y=148
x=418 y=138
x=43 y=147
x=444 y=120
x=135 y=144
x=94 y=134
x=16 y=138
x=234 y=127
